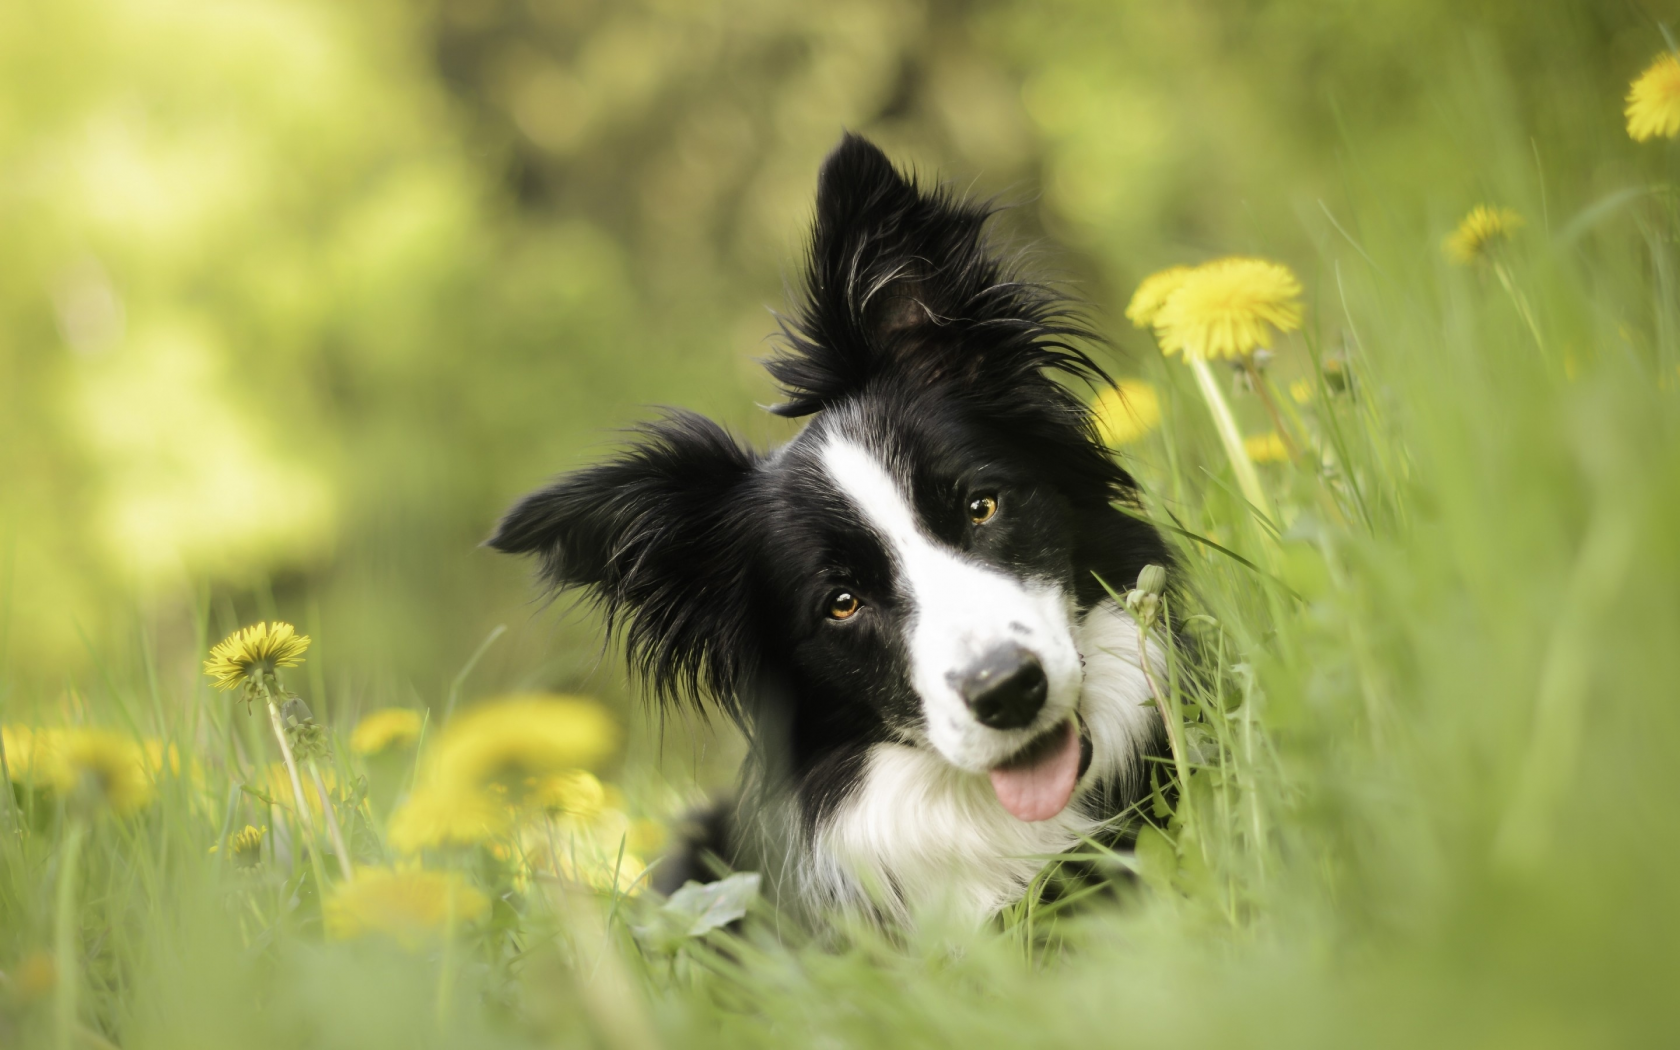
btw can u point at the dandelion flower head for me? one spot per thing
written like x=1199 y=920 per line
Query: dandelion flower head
x=95 y=765
x=598 y=852
x=1653 y=101
x=253 y=651
x=1229 y=308
x=245 y=846
x=20 y=744
x=34 y=976
x=576 y=792
x=438 y=816
x=1126 y=412
x=412 y=907
x=1266 y=448
x=1153 y=293
x=386 y=729
x=1480 y=232
x=512 y=744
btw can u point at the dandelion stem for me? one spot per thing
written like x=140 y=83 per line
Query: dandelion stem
x=64 y=936
x=1169 y=717
x=1247 y=478
x=333 y=829
x=291 y=763
x=304 y=821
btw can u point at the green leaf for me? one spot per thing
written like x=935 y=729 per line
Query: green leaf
x=1157 y=859
x=699 y=908
x=703 y=907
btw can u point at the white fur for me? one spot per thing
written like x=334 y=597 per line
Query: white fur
x=919 y=833
x=960 y=609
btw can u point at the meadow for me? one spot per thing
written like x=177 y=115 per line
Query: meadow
x=1428 y=537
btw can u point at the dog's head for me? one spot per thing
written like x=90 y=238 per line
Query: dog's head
x=913 y=565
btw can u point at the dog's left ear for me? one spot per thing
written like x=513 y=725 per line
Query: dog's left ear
x=902 y=284
x=661 y=536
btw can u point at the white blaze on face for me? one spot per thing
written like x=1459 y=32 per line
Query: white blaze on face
x=959 y=609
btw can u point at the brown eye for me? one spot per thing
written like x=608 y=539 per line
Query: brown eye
x=981 y=509
x=843 y=606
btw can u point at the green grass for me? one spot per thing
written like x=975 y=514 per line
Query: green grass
x=1433 y=797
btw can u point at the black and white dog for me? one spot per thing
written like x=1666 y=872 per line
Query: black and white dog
x=904 y=605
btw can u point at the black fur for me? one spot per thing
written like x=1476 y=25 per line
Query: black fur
x=713 y=563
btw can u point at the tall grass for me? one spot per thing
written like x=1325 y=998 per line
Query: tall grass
x=1433 y=787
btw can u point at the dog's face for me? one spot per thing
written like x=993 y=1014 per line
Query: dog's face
x=912 y=567
x=923 y=567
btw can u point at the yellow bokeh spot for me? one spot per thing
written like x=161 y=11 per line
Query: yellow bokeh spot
x=412 y=907
x=1127 y=412
x=386 y=729
x=1266 y=448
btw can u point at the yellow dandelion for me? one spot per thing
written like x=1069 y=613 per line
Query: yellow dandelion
x=596 y=852
x=255 y=651
x=436 y=817
x=386 y=729
x=576 y=792
x=411 y=906
x=1126 y=412
x=1229 y=308
x=1301 y=391
x=93 y=765
x=1653 y=101
x=245 y=846
x=645 y=837
x=1266 y=448
x=21 y=743
x=1484 y=229
x=34 y=976
x=621 y=872
x=514 y=743
x=1153 y=293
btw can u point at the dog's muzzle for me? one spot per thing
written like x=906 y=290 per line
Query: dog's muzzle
x=1005 y=688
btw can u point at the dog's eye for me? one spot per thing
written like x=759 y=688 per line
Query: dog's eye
x=843 y=606
x=982 y=509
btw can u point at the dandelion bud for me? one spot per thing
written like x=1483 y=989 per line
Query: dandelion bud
x=1144 y=600
x=1144 y=607
x=308 y=740
x=1153 y=579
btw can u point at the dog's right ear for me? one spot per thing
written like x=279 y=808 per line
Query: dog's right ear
x=661 y=538
x=902 y=286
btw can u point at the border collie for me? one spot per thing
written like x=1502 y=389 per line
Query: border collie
x=904 y=606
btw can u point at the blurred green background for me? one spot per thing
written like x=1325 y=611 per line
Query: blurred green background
x=296 y=296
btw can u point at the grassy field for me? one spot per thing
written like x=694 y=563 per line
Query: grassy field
x=1432 y=775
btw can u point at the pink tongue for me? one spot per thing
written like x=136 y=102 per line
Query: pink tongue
x=1040 y=789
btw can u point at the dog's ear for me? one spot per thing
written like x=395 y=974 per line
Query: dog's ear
x=660 y=537
x=901 y=282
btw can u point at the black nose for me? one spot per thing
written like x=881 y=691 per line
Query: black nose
x=1005 y=688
